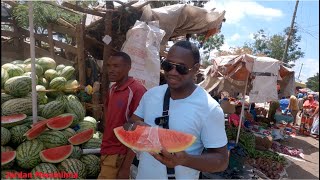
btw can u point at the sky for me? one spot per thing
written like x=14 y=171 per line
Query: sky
x=246 y=17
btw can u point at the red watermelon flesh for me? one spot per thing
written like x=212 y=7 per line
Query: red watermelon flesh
x=36 y=130
x=81 y=137
x=7 y=157
x=59 y=123
x=145 y=138
x=12 y=119
x=57 y=154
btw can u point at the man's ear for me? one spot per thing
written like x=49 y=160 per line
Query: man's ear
x=197 y=67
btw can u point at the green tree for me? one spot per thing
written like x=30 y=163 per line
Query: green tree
x=42 y=15
x=313 y=83
x=273 y=46
x=212 y=43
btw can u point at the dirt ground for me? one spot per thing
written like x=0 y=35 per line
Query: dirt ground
x=308 y=169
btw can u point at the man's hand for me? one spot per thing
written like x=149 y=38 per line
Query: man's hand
x=171 y=159
x=132 y=126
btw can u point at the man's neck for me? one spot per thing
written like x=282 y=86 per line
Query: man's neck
x=183 y=92
x=122 y=81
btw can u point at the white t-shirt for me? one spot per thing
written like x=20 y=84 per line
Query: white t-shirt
x=198 y=114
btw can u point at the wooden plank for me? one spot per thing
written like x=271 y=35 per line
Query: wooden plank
x=80 y=9
x=51 y=43
x=65 y=30
x=65 y=8
x=11 y=3
x=55 y=42
x=65 y=23
x=9 y=33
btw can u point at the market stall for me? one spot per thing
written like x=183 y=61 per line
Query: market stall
x=44 y=97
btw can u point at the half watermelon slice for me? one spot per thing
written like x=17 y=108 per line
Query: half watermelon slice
x=7 y=157
x=60 y=122
x=81 y=137
x=36 y=130
x=149 y=139
x=57 y=154
x=12 y=120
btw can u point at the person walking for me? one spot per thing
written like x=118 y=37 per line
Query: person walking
x=293 y=108
x=121 y=101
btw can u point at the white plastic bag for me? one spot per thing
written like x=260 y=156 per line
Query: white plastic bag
x=143 y=46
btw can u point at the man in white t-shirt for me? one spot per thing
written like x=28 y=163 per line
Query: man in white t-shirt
x=192 y=110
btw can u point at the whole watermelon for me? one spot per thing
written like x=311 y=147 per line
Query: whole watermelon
x=4 y=77
x=5 y=136
x=67 y=72
x=17 y=134
x=18 y=86
x=39 y=70
x=76 y=152
x=50 y=74
x=58 y=83
x=17 y=106
x=75 y=107
x=47 y=63
x=92 y=163
x=72 y=165
x=45 y=169
x=53 y=138
x=28 y=154
x=53 y=109
x=14 y=71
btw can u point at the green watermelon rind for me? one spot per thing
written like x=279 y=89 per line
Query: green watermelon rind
x=52 y=109
x=45 y=169
x=17 y=134
x=5 y=136
x=18 y=86
x=92 y=163
x=28 y=154
x=53 y=138
x=71 y=165
x=17 y=106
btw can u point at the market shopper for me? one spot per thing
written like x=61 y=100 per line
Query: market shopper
x=315 y=124
x=234 y=118
x=121 y=101
x=309 y=107
x=191 y=110
x=293 y=107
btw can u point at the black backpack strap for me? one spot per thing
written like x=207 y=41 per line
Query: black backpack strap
x=165 y=113
x=166 y=104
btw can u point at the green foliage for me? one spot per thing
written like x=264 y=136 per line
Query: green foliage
x=313 y=83
x=273 y=46
x=43 y=14
x=212 y=43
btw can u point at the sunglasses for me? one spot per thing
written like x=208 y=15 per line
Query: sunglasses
x=181 y=69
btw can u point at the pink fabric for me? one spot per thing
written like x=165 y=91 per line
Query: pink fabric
x=234 y=119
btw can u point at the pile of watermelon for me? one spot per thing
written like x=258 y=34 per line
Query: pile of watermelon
x=49 y=146
x=56 y=142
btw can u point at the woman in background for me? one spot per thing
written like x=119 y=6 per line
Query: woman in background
x=293 y=108
x=309 y=107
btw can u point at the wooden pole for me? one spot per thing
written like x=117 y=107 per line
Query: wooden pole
x=107 y=50
x=242 y=108
x=51 y=44
x=290 y=32
x=80 y=51
x=33 y=66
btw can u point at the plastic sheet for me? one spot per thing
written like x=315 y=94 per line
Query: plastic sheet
x=149 y=139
